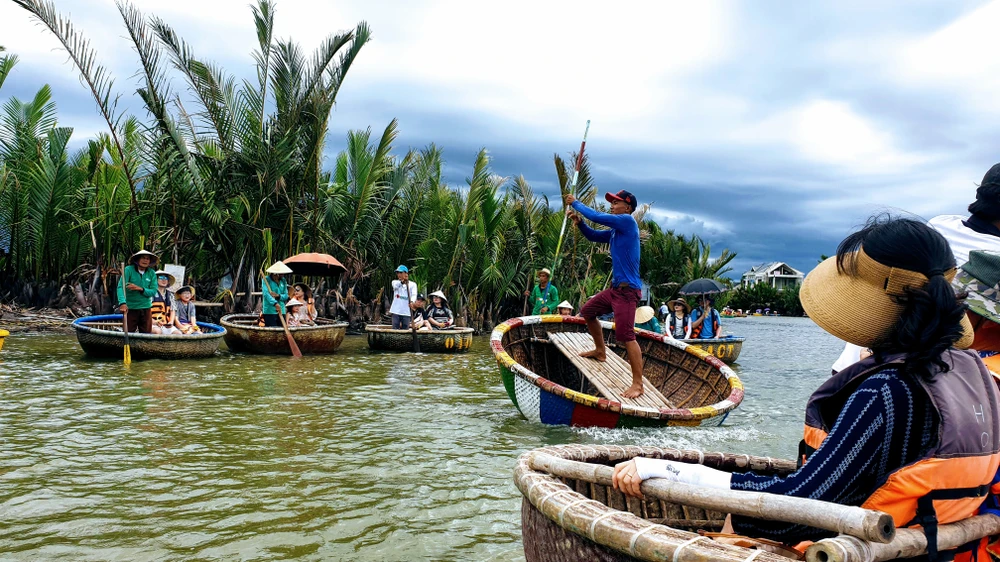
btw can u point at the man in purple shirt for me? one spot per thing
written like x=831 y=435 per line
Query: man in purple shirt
x=626 y=286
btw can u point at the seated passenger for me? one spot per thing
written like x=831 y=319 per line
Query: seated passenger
x=917 y=420
x=705 y=321
x=645 y=319
x=293 y=316
x=307 y=314
x=186 y=320
x=163 y=306
x=678 y=325
x=439 y=315
x=419 y=319
x=564 y=309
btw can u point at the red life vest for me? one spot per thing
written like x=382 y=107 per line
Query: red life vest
x=951 y=480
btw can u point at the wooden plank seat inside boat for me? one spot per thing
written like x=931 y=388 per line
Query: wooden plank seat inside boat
x=612 y=377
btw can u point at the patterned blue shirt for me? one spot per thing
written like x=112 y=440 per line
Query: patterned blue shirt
x=887 y=423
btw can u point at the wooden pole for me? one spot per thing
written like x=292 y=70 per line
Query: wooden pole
x=873 y=526
x=572 y=191
x=907 y=543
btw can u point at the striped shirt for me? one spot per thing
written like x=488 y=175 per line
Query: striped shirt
x=887 y=423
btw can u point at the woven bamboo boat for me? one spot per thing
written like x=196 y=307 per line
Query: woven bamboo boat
x=244 y=335
x=452 y=340
x=101 y=336
x=727 y=349
x=696 y=388
x=565 y=519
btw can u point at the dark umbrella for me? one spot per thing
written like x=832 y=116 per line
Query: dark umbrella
x=702 y=287
x=314 y=264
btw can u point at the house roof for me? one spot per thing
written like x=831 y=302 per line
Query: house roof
x=770 y=266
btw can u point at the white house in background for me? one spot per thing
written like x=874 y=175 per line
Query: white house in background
x=777 y=274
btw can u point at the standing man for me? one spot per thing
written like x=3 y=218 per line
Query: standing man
x=545 y=296
x=625 y=291
x=274 y=293
x=136 y=291
x=404 y=295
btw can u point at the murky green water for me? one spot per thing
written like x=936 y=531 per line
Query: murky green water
x=355 y=456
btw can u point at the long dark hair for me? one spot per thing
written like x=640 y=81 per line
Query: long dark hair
x=931 y=318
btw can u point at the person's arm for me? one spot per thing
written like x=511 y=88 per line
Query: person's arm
x=687 y=331
x=697 y=321
x=283 y=293
x=149 y=285
x=121 y=285
x=451 y=317
x=605 y=219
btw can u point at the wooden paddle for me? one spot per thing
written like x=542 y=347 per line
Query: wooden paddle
x=127 y=360
x=413 y=327
x=288 y=333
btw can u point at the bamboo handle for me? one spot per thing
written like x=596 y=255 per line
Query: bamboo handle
x=907 y=543
x=873 y=526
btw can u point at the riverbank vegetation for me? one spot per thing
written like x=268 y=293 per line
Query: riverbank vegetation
x=224 y=175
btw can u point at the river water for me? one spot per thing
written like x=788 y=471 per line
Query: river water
x=354 y=456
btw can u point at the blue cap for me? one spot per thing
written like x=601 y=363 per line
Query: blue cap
x=402 y=269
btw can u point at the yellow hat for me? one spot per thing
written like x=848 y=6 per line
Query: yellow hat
x=864 y=308
x=644 y=314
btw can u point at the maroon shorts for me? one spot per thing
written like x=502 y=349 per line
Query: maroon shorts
x=620 y=300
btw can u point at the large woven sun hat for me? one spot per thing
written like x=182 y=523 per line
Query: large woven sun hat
x=682 y=302
x=187 y=289
x=565 y=304
x=279 y=267
x=439 y=294
x=294 y=302
x=546 y=271
x=864 y=308
x=980 y=278
x=153 y=258
x=170 y=278
x=644 y=314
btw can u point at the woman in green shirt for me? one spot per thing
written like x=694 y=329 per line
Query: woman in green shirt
x=545 y=296
x=274 y=291
x=136 y=290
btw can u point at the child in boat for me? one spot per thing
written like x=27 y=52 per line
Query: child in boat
x=419 y=319
x=705 y=321
x=564 y=309
x=678 y=324
x=307 y=314
x=919 y=416
x=163 y=307
x=186 y=320
x=439 y=315
x=293 y=317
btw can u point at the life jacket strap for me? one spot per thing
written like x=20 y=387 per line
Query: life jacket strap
x=927 y=516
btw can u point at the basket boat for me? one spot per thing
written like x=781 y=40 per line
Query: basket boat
x=684 y=385
x=101 y=336
x=727 y=349
x=244 y=335
x=452 y=340
x=565 y=519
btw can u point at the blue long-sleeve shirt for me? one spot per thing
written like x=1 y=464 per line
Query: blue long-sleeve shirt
x=622 y=236
x=888 y=422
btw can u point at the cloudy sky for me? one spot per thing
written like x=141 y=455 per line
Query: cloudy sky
x=770 y=128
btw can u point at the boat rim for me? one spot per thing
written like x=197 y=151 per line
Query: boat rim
x=78 y=324
x=734 y=339
x=382 y=329
x=227 y=322
x=699 y=413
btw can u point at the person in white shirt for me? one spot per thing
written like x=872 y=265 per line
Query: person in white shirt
x=404 y=295
x=979 y=231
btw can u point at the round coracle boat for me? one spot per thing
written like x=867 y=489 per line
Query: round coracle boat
x=102 y=336
x=570 y=511
x=728 y=349
x=244 y=335
x=548 y=382
x=453 y=340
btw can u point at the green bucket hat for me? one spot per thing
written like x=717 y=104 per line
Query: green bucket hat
x=980 y=278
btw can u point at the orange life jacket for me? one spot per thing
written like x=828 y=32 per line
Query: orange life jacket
x=951 y=480
x=160 y=309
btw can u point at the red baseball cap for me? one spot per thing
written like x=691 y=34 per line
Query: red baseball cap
x=622 y=195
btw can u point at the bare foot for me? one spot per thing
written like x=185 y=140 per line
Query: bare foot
x=594 y=354
x=633 y=391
